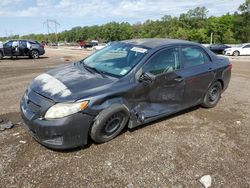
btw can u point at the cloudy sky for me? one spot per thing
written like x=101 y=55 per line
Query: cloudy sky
x=27 y=16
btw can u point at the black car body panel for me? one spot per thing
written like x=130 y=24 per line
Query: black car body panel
x=218 y=48
x=21 y=49
x=145 y=99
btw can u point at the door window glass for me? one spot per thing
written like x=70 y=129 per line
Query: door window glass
x=8 y=44
x=193 y=56
x=163 y=62
x=23 y=44
x=247 y=46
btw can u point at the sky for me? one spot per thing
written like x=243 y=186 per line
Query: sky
x=28 y=16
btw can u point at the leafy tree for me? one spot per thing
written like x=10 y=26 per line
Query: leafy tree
x=193 y=25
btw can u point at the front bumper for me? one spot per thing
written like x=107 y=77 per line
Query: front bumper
x=227 y=52
x=64 y=133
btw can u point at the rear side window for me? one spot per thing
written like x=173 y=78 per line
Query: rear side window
x=23 y=43
x=33 y=42
x=163 y=62
x=193 y=56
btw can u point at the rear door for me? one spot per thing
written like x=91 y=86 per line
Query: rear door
x=198 y=74
x=23 y=47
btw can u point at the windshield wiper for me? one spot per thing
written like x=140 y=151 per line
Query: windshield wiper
x=93 y=69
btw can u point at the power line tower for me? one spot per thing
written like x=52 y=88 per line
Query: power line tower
x=52 y=28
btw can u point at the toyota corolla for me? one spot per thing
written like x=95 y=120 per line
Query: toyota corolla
x=128 y=83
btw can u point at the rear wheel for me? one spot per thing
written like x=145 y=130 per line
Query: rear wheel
x=109 y=123
x=236 y=53
x=34 y=54
x=212 y=96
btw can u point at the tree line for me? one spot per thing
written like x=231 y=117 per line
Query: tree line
x=194 y=25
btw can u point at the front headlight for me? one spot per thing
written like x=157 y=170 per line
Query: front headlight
x=61 y=110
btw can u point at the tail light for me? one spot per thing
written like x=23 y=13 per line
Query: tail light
x=42 y=45
x=230 y=66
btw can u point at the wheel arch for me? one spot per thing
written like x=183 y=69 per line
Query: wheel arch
x=221 y=82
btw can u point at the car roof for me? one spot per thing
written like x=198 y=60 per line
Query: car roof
x=21 y=40
x=156 y=42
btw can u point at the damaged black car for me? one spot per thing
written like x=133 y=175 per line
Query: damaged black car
x=128 y=83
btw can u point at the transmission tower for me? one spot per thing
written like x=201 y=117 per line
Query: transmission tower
x=52 y=27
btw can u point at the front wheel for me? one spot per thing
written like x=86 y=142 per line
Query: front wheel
x=236 y=53
x=34 y=54
x=212 y=96
x=109 y=123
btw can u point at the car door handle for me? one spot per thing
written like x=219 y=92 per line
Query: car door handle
x=210 y=69
x=179 y=79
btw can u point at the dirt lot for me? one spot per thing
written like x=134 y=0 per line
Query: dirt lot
x=173 y=152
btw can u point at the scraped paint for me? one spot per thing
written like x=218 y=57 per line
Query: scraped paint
x=52 y=85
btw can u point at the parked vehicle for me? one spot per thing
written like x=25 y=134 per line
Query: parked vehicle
x=218 y=48
x=242 y=49
x=100 y=46
x=90 y=44
x=128 y=83
x=16 y=48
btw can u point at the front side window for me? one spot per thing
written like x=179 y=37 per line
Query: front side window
x=116 y=59
x=165 y=61
x=247 y=46
x=193 y=56
x=8 y=44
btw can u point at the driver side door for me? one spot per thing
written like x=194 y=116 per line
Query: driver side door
x=161 y=87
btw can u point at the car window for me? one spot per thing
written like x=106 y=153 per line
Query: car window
x=33 y=42
x=193 y=56
x=23 y=43
x=247 y=46
x=8 y=44
x=165 y=61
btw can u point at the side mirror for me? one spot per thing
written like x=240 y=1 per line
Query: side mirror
x=146 y=77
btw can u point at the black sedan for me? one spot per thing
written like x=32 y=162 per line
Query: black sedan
x=128 y=83
x=218 y=48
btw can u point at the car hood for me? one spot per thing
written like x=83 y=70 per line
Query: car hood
x=70 y=83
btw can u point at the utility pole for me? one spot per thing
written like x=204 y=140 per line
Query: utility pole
x=52 y=27
x=211 y=38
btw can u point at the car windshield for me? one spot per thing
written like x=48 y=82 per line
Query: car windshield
x=116 y=59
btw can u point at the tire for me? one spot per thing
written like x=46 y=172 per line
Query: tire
x=1 y=55
x=109 y=123
x=236 y=53
x=213 y=95
x=34 y=54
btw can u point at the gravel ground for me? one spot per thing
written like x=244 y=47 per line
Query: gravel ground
x=171 y=152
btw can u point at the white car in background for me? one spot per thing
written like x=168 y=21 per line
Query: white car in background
x=243 y=49
x=100 y=46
